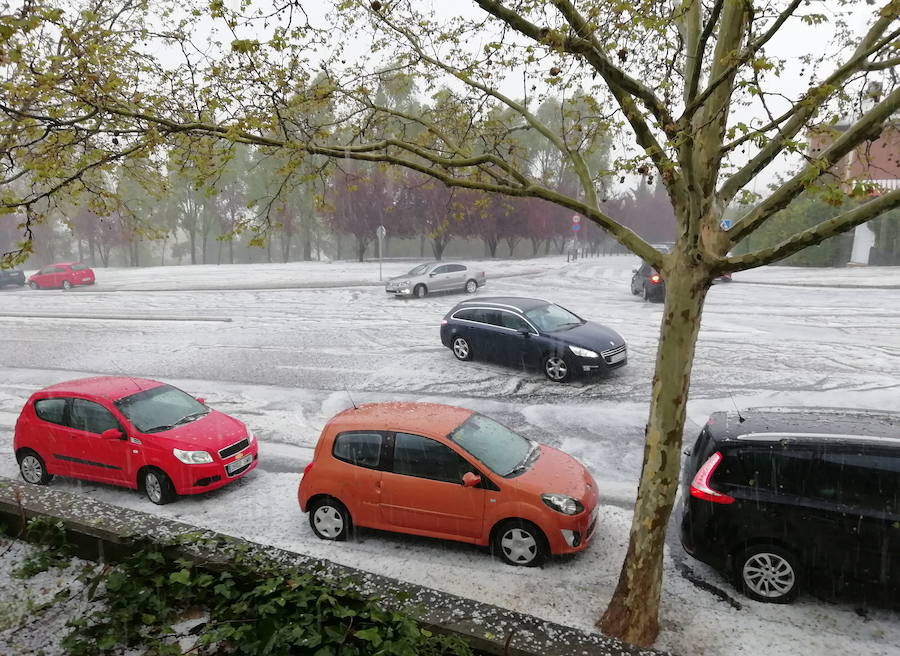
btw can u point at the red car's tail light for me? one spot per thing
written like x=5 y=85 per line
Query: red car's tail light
x=443 y=322
x=700 y=485
x=655 y=278
x=308 y=467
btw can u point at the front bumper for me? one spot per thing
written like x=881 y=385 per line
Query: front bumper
x=402 y=291
x=573 y=534
x=607 y=361
x=196 y=479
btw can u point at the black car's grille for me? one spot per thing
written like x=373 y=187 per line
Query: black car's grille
x=608 y=355
x=234 y=448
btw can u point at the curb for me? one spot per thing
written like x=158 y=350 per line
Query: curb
x=103 y=532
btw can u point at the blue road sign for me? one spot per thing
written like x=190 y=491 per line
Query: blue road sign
x=726 y=224
x=576 y=227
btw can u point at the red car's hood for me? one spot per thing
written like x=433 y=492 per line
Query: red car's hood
x=555 y=472
x=211 y=432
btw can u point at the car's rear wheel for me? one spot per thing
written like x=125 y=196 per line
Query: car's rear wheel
x=768 y=573
x=471 y=287
x=645 y=293
x=461 y=349
x=158 y=487
x=420 y=291
x=33 y=285
x=330 y=519
x=66 y=284
x=32 y=468
x=520 y=543
x=557 y=369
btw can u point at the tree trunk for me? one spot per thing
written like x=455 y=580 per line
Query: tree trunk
x=193 y=237
x=307 y=242
x=361 y=248
x=422 y=245
x=633 y=612
x=491 y=246
x=511 y=242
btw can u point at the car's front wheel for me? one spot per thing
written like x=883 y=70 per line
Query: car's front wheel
x=32 y=468
x=768 y=573
x=420 y=291
x=557 y=369
x=461 y=349
x=33 y=285
x=158 y=487
x=520 y=543
x=330 y=519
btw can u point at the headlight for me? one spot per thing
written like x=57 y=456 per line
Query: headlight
x=403 y=283
x=192 y=457
x=583 y=352
x=562 y=503
x=250 y=436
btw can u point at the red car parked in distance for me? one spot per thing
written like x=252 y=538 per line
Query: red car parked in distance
x=133 y=432
x=62 y=274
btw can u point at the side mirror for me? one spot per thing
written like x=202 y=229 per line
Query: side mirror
x=470 y=479
x=525 y=333
x=201 y=400
x=432 y=274
x=111 y=434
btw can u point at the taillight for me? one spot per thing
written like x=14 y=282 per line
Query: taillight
x=700 y=485
x=443 y=322
x=308 y=467
x=655 y=278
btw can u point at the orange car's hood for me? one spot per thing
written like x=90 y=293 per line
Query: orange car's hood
x=555 y=472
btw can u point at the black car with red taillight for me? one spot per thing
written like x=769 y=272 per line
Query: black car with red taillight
x=781 y=498
x=648 y=284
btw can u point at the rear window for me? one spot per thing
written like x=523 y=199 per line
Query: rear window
x=51 y=410
x=361 y=449
x=79 y=267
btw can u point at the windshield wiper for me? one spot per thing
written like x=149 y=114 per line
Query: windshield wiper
x=522 y=466
x=191 y=417
x=157 y=429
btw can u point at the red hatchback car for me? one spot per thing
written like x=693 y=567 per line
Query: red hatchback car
x=447 y=472
x=133 y=432
x=62 y=274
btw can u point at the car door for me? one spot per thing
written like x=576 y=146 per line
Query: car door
x=49 y=433
x=456 y=276
x=422 y=492
x=438 y=278
x=91 y=456
x=518 y=344
x=360 y=455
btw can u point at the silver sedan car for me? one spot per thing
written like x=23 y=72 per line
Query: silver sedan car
x=436 y=277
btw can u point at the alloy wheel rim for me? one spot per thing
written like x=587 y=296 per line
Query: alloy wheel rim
x=31 y=469
x=556 y=368
x=519 y=546
x=153 y=486
x=329 y=521
x=768 y=575
x=461 y=348
x=471 y=286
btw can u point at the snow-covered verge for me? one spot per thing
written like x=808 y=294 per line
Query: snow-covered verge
x=286 y=362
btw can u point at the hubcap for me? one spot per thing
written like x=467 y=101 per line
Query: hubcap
x=519 y=546
x=153 y=487
x=556 y=368
x=471 y=286
x=66 y=284
x=768 y=575
x=329 y=521
x=32 y=471
x=461 y=348
x=420 y=292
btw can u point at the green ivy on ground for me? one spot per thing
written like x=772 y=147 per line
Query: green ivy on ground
x=50 y=534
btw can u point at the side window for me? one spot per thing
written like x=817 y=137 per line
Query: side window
x=52 y=410
x=468 y=315
x=79 y=267
x=455 y=268
x=863 y=480
x=46 y=269
x=91 y=417
x=491 y=317
x=779 y=469
x=361 y=449
x=510 y=320
x=424 y=458
x=441 y=269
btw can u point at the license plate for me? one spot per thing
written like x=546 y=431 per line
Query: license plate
x=618 y=357
x=85 y=280
x=238 y=464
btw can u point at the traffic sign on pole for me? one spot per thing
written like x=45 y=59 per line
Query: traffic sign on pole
x=380 y=233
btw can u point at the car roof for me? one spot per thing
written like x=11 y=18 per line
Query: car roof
x=407 y=417
x=504 y=302
x=63 y=263
x=849 y=425
x=110 y=388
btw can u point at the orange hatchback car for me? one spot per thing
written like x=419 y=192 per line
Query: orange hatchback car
x=447 y=472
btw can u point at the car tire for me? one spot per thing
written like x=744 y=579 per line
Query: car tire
x=66 y=285
x=520 y=543
x=645 y=293
x=330 y=520
x=461 y=348
x=32 y=468
x=420 y=291
x=157 y=486
x=768 y=573
x=556 y=368
x=471 y=286
x=34 y=285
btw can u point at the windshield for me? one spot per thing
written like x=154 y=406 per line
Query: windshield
x=501 y=450
x=160 y=408
x=419 y=270
x=553 y=317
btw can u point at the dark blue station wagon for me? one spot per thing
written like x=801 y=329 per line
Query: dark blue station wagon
x=531 y=333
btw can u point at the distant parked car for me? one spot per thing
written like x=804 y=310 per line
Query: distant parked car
x=447 y=472
x=133 y=432
x=648 y=284
x=529 y=332
x=11 y=277
x=785 y=498
x=436 y=277
x=62 y=274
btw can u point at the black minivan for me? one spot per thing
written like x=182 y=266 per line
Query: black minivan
x=531 y=333
x=782 y=498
